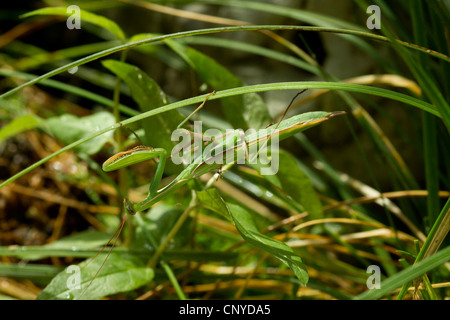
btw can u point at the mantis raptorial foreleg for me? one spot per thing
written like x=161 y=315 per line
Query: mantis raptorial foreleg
x=142 y=153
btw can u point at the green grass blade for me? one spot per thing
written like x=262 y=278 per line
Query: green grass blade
x=236 y=91
x=431 y=90
x=35 y=272
x=70 y=89
x=247 y=111
x=437 y=234
x=110 y=51
x=406 y=275
x=252 y=49
x=34 y=61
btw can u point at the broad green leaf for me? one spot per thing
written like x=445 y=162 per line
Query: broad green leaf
x=245 y=225
x=296 y=184
x=69 y=128
x=148 y=95
x=19 y=125
x=86 y=16
x=121 y=273
x=246 y=111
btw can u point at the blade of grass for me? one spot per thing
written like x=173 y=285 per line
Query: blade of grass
x=250 y=48
x=162 y=261
x=185 y=34
x=431 y=90
x=429 y=124
x=71 y=89
x=434 y=239
x=33 y=61
x=231 y=92
x=406 y=275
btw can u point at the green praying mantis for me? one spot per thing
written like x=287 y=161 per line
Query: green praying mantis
x=229 y=148
x=234 y=146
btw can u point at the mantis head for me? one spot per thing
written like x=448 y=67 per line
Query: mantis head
x=128 y=206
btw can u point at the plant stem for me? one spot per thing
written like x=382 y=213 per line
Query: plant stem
x=164 y=264
x=434 y=239
x=174 y=231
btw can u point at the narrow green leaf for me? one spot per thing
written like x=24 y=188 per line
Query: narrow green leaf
x=210 y=31
x=245 y=225
x=71 y=89
x=211 y=199
x=121 y=273
x=34 y=61
x=86 y=16
x=40 y=273
x=82 y=244
x=246 y=111
x=252 y=49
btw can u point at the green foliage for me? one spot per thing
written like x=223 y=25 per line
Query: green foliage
x=69 y=128
x=18 y=125
x=244 y=223
x=246 y=111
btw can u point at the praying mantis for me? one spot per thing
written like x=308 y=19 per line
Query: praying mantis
x=229 y=148
x=221 y=147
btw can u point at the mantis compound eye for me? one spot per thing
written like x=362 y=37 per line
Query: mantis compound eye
x=128 y=206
